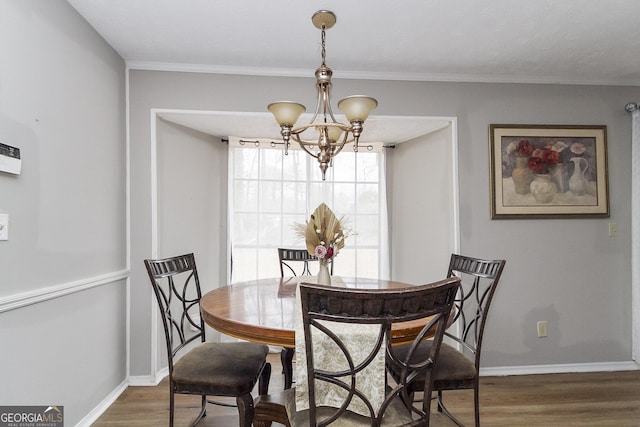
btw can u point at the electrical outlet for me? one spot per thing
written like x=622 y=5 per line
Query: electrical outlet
x=613 y=229
x=542 y=328
x=4 y=226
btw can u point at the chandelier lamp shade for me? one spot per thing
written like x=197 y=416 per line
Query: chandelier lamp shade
x=323 y=137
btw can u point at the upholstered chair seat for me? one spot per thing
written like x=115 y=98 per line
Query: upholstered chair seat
x=208 y=369
x=452 y=365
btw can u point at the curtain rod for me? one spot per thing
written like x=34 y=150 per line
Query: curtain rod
x=369 y=147
x=632 y=106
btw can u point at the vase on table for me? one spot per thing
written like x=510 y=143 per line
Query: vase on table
x=324 y=277
x=543 y=188
x=522 y=176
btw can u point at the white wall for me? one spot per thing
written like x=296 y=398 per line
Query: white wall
x=568 y=272
x=63 y=270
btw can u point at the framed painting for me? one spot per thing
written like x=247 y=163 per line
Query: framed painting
x=548 y=171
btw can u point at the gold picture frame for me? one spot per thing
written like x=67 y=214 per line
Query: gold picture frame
x=548 y=171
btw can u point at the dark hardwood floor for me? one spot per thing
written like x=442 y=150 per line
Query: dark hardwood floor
x=583 y=399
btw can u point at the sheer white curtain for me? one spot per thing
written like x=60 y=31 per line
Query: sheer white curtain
x=635 y=228
x=269 y=192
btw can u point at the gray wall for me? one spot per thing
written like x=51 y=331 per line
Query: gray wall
x=567 y=272
x=63 y=286
x=192 y=208
x=63 y=270
x=421 y=206
x=192 y=196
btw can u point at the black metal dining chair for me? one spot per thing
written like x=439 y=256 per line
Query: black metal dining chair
x=322 y=307
x=288 y=257
x=458 y=369
x=196 y=366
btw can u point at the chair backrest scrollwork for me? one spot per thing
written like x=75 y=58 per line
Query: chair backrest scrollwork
x=479 y=279
x=322 y=305
x=288 y=256
x=177 y=289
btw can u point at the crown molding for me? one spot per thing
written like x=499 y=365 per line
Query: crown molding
x=373 y=75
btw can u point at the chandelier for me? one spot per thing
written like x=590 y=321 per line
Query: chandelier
x=324 y=137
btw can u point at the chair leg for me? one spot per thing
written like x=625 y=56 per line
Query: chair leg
x=426 y=409
x=443 y=408
x=286 y=358
x=265 y=377
x=171 y=406
x=245 y=409
x=203 y=411
x=476 y=403
x=407 y=399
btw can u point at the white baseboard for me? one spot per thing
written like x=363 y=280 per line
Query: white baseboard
x=92 y=416
x=559 y=369
x=140 y=380
x=148 y=380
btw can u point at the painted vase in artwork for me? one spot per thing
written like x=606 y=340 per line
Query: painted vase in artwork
x=522 y=176
x=578 y=183
x=543 y=188
x=560 y=174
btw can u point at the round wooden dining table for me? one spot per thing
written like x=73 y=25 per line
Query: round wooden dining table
x=262 y=310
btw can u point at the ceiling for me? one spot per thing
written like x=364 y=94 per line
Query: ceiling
x=541 y=41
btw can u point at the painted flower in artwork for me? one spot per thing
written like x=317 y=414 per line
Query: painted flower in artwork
x=542 y=158
x=577 y=148
x=539 y=158
x=524 y=148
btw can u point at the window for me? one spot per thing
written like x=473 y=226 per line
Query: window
x=269 y=192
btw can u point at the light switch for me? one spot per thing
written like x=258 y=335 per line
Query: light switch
x=4 y=226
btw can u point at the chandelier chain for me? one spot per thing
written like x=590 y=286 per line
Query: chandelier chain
x=323 y=48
